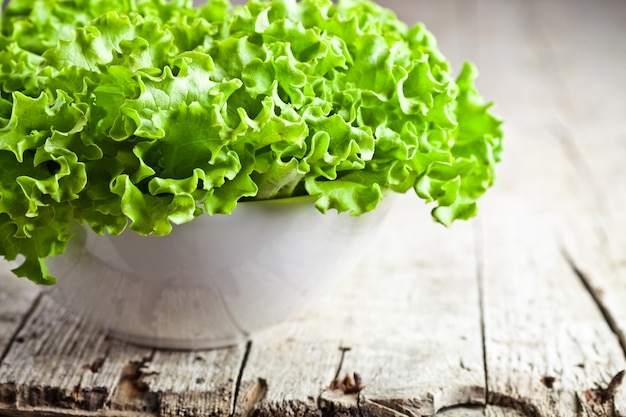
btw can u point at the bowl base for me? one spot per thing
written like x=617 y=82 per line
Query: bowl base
x=177 y=344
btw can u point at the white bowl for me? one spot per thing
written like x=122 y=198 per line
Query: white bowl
x=215 y=280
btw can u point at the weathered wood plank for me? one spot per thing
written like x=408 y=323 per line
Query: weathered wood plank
x=500 y=38
x=556 y=70
x=200 y=383
x=16 y=300
x=58 y=363
x=540 y=320
x=407 y=321
x=594 y=138
x=592 y=64
x=546 y=341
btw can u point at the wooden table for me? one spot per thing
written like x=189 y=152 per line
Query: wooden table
x=521 y=311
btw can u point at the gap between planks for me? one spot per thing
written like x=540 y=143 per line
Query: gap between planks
x=244 y=361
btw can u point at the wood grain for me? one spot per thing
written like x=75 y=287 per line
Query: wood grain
x=59 y=363
x=594 y=140
x=541 y=325
x=547 y=340
x=200 y=383
x=56 y=361
x=16 y=300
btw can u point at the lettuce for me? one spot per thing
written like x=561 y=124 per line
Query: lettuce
x=147 y=113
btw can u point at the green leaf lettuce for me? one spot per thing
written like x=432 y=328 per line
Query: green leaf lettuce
x=142 y=114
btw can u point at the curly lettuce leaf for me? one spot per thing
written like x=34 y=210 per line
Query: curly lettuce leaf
x=145 y=114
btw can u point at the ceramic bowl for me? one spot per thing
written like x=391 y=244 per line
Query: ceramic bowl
x=213 y=281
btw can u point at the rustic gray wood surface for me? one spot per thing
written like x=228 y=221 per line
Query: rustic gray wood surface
x=520 y=312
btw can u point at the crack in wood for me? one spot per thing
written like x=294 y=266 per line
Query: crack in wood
x=600 y=395
x=249 y=397
x=480 y=278
x=343 y=350
x=252 y=396
x=333 y=399
x=596 y=296
x=359 y=397
x=342 y=390
x=96 y=365
x=349 y=384
x=467 y=410
x=522 y=406
x=398 y=407
x=386 y=408
x=132 y=392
